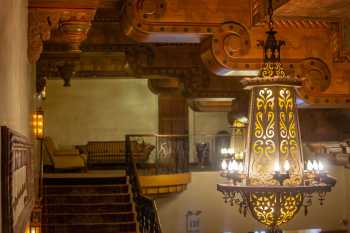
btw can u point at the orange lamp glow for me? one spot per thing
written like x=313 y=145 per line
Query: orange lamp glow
x=38 y=124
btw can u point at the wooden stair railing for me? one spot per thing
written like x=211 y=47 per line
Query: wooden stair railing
x=147 y=213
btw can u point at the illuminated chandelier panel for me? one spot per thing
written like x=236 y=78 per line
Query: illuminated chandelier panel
x=275 y=136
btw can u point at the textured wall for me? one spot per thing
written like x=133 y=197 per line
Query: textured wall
x=219 y=217
x=99 y=110
x=16 y=93
x=16 y=83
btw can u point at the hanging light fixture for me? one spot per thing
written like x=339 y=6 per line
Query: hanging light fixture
x=272 y=185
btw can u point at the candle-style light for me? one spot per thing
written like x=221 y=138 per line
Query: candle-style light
x=315 y=165
x=224 y=164
x=276 y=167
x=223 y=151
x=286 y=166
x=320 y=166
x=309 y=166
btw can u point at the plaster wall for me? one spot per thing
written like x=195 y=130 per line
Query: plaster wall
x=220 y=217
x=104 y=109
x=16 y=81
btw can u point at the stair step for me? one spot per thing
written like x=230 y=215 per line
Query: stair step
x=90 y=228
x=87 y=198
x=72 y=189
x=87 y=208
x=85 y=181
x=82 y=218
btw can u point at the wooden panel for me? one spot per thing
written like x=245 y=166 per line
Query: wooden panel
x=173 y=114
x=17 y=181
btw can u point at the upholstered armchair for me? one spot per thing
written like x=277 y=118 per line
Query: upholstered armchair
x=64 y=159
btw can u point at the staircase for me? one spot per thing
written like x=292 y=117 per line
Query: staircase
x=87 y=205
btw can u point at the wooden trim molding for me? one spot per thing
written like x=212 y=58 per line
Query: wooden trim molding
x=17 y=181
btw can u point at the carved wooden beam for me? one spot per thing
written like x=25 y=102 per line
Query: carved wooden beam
x=161 y=20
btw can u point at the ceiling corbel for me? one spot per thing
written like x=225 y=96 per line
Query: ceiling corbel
x=70 y=19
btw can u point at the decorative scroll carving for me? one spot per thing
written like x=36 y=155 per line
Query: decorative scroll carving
x=229 y=42
x=316 y=75
x=17 y=181
x=317 y=79
x=41 y=22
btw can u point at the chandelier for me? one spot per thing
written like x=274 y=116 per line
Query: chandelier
x=270 y=182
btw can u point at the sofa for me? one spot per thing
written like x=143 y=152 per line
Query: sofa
x=113 y=152
x=62 y=159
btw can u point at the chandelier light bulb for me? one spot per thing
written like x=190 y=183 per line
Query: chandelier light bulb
x=224 y=164
x=240 y=167
x=223 y=151
x=286 y=166
x=230 y=151
x=277 y=167
x=315 y=165
x=320 y=166
x=230 y=166
x=235 y=165
x=309 y=166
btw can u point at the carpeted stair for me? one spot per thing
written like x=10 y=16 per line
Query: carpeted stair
x=87 y=205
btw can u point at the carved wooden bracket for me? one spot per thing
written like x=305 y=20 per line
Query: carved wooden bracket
x=73 y=28
x=41 y=22
x=72 y=25
x=219 y=51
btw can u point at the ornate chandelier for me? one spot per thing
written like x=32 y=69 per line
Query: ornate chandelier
x=271 y=182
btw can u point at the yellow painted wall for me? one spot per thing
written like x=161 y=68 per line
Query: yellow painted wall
x=103 y=109
x=16 y=81
x=218 y=217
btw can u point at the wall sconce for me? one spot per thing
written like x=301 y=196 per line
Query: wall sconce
x=34 y=229
x=35 y=221
x=38 y=124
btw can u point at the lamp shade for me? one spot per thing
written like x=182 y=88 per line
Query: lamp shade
x=274 y=135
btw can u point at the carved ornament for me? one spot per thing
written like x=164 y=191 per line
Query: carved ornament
x=71 y=25
x=41 y=22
